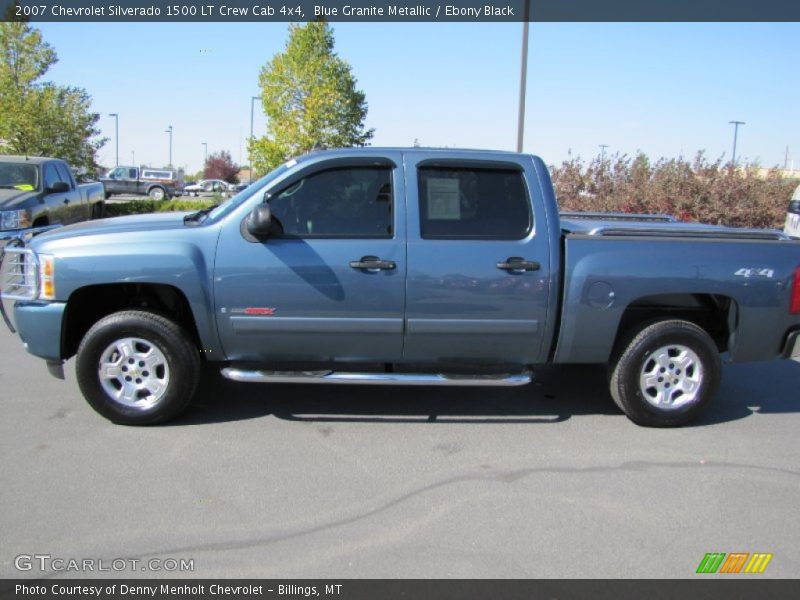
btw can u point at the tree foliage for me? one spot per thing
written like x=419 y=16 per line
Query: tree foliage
x=310 y=98
x=698 y=190
x=220 y=165
x=40 y=118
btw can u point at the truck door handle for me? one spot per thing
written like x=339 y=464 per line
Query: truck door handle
x=516 y=264
x=373 y=263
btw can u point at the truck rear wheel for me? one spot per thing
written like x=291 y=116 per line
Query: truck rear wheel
x=98 y=210
x=137 y=368
x=666 y=375
x=157 y=193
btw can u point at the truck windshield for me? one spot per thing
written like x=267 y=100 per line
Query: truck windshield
x=16 y=176
x=230 y=204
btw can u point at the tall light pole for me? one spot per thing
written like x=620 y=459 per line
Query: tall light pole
x=252 y=114
x=169 y=131
x=735 y=135
x=116 y=136
x=133 y=157
x=523 y=76
x=603 y=153
x=205 y=160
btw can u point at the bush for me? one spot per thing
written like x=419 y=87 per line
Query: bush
x=138 y=207
x=705 y=191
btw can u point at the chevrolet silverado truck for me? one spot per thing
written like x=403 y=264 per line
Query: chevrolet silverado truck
x=40 y=192
x=401 y=267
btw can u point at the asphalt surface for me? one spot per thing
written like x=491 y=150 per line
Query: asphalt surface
x=286 y=481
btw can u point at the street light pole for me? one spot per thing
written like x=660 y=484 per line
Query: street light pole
x=133 y=157
x=169 y=131
x=523 y=76
x=252 y=112
x=735 y=135
x=116 y=136
x=205 y=160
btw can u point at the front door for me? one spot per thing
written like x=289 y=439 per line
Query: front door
x=329 y=283
x=479 y=284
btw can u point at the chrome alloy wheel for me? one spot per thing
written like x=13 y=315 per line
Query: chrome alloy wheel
x=671 y=377
x=134 y=372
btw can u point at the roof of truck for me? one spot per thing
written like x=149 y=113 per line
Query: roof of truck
x=33 y=160
x=411 y=150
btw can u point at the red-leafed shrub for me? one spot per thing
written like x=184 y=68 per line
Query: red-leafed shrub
x=701 y=190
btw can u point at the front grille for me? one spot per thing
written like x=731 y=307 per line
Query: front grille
x=19 y=275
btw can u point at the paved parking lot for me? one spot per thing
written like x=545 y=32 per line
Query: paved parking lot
x=285 y=481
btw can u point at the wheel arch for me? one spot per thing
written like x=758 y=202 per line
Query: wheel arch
x=716 y=314
x=89 y=304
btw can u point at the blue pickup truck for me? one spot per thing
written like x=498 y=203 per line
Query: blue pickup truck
x=401 y=266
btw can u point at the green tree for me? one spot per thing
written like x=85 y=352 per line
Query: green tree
x=310 y=98
x=40 y=118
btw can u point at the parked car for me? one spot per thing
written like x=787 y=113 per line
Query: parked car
x=235 y=188
x=402 y=267
x=792 y=226
x=206 y=187
x=158 y=184
x=39 y=192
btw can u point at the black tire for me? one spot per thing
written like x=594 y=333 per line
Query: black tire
x=654 y=353
x=98 y=210
x=157 y=193
x=180 y=368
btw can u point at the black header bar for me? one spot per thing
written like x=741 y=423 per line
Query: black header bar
x=733 y=588
x=238 y=11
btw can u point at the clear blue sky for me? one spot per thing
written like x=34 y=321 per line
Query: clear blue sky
x=666 y=89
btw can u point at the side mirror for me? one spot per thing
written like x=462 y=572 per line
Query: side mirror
x=59 y=187
x=259 y=223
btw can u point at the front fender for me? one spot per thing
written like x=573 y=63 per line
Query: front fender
x=182 y=265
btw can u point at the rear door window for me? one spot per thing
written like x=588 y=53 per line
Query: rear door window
x=471 y=203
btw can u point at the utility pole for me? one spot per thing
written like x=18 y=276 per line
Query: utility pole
x=116 y=136
x=205 y=160
x=523 y=76
x=133 y=157
x=169 y=131
x=786 y=159
x=735 y=135
x=603 y=153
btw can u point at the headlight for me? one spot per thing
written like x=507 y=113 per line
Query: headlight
x=14 y=219
x=47 y=284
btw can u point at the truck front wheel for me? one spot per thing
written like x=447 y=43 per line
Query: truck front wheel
x=666 y=375
x=137 y=368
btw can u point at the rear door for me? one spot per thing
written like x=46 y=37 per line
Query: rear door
x=64 y=207
x=478 y=281
x=330 y=282
x=78 y=206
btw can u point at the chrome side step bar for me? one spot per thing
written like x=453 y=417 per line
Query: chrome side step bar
x=502 y=380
